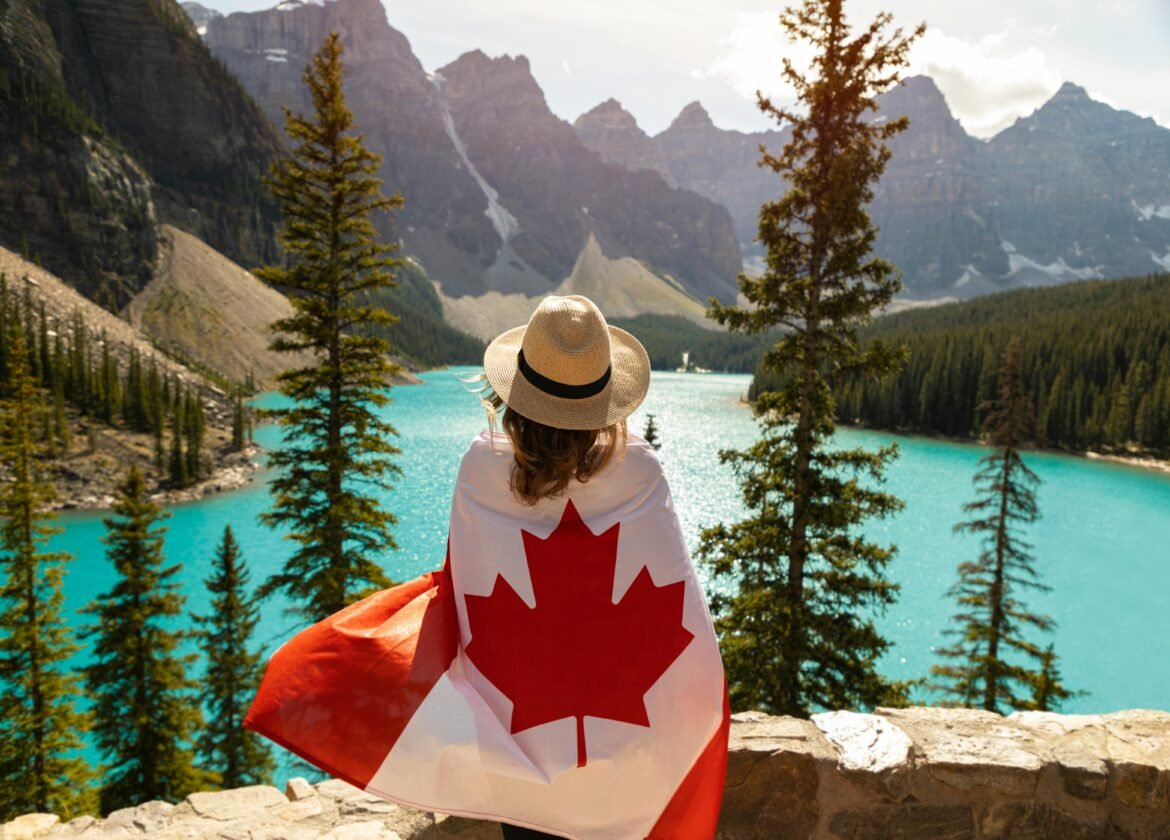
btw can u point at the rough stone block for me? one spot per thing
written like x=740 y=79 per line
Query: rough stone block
x=235 y=804
x=971 y=750
x=366 y=830
x=299 y=788
x=1035 y=821
x=461 y=828
x=29 y=826
x=1141 y=786
x=148 y=817
x=871 y=751
x=769 y=796
x=76 y=825
x=905 y=822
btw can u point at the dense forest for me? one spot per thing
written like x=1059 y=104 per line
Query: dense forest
x=420 y=335
x=77 y=370
x=1096 y=365
x=667 y=337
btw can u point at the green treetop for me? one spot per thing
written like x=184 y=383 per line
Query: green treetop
x=40 y=726
x=650 y=432
x=144 y=708
x=337 y=450
x=984 y=665
x=797 y=632
x=233 y=673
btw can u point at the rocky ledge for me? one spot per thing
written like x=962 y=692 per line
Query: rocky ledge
x=910 y=774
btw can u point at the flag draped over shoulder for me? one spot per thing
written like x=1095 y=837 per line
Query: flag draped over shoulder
x=560 y=672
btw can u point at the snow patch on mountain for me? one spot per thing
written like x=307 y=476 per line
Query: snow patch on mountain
x=504 y=222
x=1058 y=270
x=289 y=5
x=1152 y=211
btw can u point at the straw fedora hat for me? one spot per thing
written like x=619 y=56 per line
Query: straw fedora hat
x=567 y=368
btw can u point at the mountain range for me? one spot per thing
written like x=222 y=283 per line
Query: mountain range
x=503 y=196
x=1076 y=190
x=120 y=116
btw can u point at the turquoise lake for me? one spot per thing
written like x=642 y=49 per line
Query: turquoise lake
x=1103 y=543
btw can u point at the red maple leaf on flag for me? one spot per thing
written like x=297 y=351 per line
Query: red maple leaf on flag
x=576 y=653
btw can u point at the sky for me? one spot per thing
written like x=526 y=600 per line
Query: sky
x=995 y=60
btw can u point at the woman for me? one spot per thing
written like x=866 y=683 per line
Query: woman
x=560 y=674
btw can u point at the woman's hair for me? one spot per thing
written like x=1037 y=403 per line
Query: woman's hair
x=546 y=458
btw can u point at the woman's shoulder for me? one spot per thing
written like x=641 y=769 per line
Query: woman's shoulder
x=638 y=457
x=488 y=446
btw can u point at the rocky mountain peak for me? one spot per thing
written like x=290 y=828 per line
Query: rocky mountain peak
x=1070 y=91
x=936 y=132
x=694 y=115
x=612 y=132
x=200 y=15
x=608 y=113
x=508 y=78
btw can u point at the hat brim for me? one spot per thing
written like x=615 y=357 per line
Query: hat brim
x=627 y=386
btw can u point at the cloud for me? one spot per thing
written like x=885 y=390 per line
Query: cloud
x=751 y=55
x=986 y=85
x=565 y=66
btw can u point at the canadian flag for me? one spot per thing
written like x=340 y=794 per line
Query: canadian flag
x=559 y=673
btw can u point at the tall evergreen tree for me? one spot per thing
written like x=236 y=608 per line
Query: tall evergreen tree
x=797 y=633
x=144 y=707
x=40 y=726
x=984 y=666
x=336 y=447
x=233 y=673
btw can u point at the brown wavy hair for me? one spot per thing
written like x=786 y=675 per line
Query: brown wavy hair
x=547 y=458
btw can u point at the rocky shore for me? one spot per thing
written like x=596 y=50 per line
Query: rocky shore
x=899 y=774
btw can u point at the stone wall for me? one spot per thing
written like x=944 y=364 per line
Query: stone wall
x=908 y=774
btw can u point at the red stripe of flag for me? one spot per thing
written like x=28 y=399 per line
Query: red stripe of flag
x=693 y=811
x=340 y=693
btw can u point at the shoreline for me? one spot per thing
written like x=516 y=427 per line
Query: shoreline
x=1144 y=462
x=233 y=471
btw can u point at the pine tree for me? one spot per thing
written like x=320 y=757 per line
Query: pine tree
x=986 y=669
x=40 y=726
x=179 y=463
x=650 y=433
x=194 y=427
x=239 y=424
x=336 y=446
x=797 y=632
x=233 y=673
x=144 y=708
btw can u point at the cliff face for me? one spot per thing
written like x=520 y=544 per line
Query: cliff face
x=935 y=206
x=395 y=105
x=612 y=132
x=70 y=197
x=500 y=194
x=125 y=119
x=1083 y=189
x=722 y=165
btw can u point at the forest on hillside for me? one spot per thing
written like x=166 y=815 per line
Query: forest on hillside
x=667 y=337
x=1096 y=363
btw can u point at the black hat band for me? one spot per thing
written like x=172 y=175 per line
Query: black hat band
x=560 y=389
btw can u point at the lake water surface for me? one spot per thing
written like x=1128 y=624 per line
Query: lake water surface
x=1103 y=544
